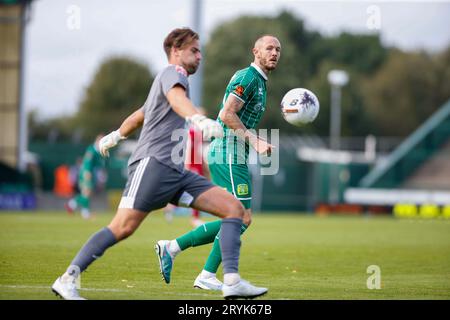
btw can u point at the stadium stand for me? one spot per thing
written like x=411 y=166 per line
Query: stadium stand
x=412 y=153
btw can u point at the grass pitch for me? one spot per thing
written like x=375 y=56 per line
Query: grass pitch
x=296 y=256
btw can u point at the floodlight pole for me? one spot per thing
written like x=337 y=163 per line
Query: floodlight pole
x=335 y=118
x=197 y=78
x=337 y=79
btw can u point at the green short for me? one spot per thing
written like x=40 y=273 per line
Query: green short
x=235 y=178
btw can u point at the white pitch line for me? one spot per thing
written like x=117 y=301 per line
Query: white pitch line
x=96 y=289
x=46 y=287
x=115 y=290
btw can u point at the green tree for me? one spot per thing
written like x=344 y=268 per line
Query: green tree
x=442 y=67
x=406 y=90
x=119 y=87
x=55 y=129
x=363 y=53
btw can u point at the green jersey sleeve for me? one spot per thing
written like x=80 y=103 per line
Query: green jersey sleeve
x=242 y=86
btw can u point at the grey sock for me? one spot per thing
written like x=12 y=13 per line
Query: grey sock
x=93 y=249
x=230 y=244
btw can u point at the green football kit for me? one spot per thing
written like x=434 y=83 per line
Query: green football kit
x=228 y=156
x=86 y=180
x=91 y=160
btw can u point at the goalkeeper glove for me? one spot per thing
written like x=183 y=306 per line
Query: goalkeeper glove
x=109 y=141
x=209 y=127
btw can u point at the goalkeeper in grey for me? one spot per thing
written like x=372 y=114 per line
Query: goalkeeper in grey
x=155 y=179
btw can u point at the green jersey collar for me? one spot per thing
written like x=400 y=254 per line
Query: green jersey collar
x=254 y=65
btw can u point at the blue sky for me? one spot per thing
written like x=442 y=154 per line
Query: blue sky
x=66 y=40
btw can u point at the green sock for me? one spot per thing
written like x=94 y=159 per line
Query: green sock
x=82 y=201
x=201 y=235
x=215 y=256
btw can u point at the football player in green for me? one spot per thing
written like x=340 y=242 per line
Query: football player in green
x=243 y=106
x=92 y=161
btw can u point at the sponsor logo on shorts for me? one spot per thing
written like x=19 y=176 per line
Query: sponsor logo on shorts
x=242 y=189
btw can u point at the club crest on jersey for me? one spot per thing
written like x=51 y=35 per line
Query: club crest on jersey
x=259 y=107
x=181 y=70
x=239 y=91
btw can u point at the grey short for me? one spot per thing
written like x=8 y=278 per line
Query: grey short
x=152 y=185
